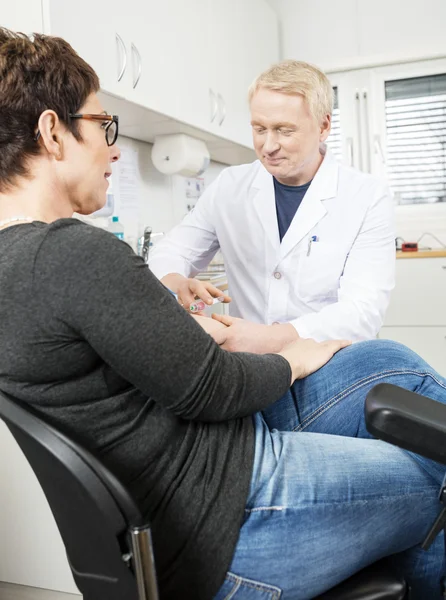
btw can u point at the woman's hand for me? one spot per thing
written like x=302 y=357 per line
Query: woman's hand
x=210 y=326
x=306 y=356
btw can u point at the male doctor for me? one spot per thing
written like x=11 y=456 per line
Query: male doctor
x=308 y=243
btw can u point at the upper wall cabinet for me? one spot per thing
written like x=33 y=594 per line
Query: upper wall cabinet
x=244 y=42
x=190 y=61
x=359 y=33
x=22 y=15
x=97 y=31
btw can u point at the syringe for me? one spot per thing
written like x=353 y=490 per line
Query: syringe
x=200 y=305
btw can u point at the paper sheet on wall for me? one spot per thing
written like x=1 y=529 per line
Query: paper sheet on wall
x=194 y=187
x=125 y=184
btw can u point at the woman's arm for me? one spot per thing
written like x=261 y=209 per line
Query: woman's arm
x=210 y=326
x=107 y=296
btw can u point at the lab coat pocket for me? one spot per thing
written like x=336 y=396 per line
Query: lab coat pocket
x=319 y=271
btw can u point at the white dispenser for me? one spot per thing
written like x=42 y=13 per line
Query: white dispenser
x=179 y=153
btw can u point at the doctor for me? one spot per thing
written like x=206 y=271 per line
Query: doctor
x=308 y=243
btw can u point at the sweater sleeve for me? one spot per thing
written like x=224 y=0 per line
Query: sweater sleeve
x=105 y=294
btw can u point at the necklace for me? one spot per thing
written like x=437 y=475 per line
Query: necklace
x=15 y=219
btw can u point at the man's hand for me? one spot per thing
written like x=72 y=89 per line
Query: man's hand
x=244 y=336
x=187 y=289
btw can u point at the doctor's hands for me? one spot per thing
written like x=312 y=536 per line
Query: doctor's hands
x=244 y=336
x=305 y=356
x=188 y=289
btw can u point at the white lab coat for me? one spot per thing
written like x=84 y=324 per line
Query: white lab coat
x=337 y=286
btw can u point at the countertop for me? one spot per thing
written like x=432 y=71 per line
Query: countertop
x=422 y=254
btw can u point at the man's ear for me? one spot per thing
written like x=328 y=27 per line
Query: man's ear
x=51 y=133
x=325 y=128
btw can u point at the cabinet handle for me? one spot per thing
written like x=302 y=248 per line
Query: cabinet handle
x=135 y=51
x=214 y=105
x=443 y=267
x=379 y=149
x=367 y=131
x=222 y=104
x=358 y=124
x=350 y=157
x=124 y=51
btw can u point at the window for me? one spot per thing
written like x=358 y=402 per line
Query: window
x=334 y=140
x=416 y=138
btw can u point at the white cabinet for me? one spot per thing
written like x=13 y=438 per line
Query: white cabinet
x=192 y=58
x=419 y=297
x=31 y=549
x=162 y=38
x=22 y=15
x=190 y=61
x=356 y=97
x=367 y=117
x=96 y=32
x=416 y=316
x=244 y=42
x=428 y=342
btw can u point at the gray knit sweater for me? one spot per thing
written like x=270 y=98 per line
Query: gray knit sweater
x=94 y=341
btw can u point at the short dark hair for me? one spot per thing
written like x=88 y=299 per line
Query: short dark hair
x=36 y=73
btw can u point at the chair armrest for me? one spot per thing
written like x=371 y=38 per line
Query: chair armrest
x=407 y=420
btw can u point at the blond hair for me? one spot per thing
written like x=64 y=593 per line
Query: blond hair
x=295 y=77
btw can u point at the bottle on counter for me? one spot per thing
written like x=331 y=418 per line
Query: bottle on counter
x=116 y=228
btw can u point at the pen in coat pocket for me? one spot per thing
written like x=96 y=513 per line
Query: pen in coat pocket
x=313 y=238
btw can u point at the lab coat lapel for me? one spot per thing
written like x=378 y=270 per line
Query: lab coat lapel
x=312 y=209
x=262 y=195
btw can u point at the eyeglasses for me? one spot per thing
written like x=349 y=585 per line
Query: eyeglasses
x=110 y=124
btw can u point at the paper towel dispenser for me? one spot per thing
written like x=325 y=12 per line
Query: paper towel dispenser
x=180 y=154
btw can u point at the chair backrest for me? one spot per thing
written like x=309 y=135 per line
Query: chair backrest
x=93 y=511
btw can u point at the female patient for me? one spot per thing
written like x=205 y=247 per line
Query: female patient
x=243 y=503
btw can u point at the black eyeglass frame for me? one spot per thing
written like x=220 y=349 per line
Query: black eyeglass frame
x=96 y=117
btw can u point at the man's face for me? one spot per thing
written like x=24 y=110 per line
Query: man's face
x=286 y=135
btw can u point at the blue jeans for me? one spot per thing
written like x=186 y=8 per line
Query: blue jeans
x=322 y=507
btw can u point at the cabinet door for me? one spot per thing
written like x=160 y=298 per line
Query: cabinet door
x=96 y=32
x=244 y=43
x=428 y=342
x=419 y=297
x=31 y=549
x=191 y=57
x=356 y=98
x=157 y=54
x=22 y=15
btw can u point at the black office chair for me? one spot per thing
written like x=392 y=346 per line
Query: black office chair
x=108 y=543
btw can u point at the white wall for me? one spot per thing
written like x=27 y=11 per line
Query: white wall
x=344 y=35
x=161 y=198
x=413 y=221
x=354 y=33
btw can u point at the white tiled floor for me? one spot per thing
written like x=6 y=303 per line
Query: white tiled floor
x=10 y=591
